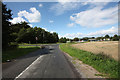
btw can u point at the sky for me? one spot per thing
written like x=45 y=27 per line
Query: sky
x=68 y=19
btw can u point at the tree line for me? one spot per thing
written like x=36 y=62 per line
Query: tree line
x=106 y=37
x=22 y=32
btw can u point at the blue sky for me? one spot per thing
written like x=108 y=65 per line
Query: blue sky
x=68 y=19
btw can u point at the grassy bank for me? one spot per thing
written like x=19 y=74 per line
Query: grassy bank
x=20 y=51
x=100 y=62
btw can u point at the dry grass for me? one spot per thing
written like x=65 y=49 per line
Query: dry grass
x=109 y=48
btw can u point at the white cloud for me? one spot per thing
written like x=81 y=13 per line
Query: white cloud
x=40 y=5
x=62 y=7
x=71 y=24
x=30 y=25
x=17 y=20
x=51 y=21
x=64 y=1
x=73 y=35
x=34 y=16
x=111 y=31
x=67 y=5
x=45 y=29
x=48 y=30
x=52 y=31
x=96 y=17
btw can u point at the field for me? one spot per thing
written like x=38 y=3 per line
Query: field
x=109 y=48
x=102 y=63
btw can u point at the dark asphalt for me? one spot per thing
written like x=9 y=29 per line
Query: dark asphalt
x=44 y=63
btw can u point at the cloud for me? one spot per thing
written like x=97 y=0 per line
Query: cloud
x=45 y=29
x=62 y=7
x=73 y=35
x=67 y=5
x=71 y=24
x=96 y=17
x=17 y=20
x=52 y=31
x=48 y=30
x=110 y=31
x=34 y=16
x=30 y=25
x=51 y=21
x=64 y=1
x=40 y=5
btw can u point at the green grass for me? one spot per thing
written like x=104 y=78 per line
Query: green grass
x=100 y=62
x=15 y=53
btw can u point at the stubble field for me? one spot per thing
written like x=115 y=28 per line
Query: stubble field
x=109 y=48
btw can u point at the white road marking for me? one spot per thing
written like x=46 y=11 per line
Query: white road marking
x=29 y=67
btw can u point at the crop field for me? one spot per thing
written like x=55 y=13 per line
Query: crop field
x=109 y=48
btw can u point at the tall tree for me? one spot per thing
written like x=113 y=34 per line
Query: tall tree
x=115 y=37
x=15 y=29
x=107 y=36
x=76 y=39
x=6 y=16
x=63 y=40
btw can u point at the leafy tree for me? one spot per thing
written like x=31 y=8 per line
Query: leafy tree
x=107 y=36
x=98 y=38
x=93 y=37
x=56 y=38
x=63 y=40
x=76 y=39
x=6 y=16
x=22 y=36
x=85 y=38
x=15 y=29
x=115 y=37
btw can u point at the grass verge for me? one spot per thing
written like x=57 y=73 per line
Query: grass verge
x=100 y=62
x=20 y=51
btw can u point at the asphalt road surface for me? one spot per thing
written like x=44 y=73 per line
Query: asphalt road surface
x=43 y=63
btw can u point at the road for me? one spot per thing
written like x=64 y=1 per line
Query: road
x=43 y=63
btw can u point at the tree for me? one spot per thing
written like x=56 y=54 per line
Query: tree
x=98 y=38
x=115 y=37
x=28 y=35
x=76 y=39
x=107 y=36
x=6 y=16
x=56 y=38
x=22 y=36
x=85 y=38
x=93 y=37
x=63 y=40
x=15 y=29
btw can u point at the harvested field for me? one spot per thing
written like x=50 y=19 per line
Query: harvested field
x=109 y=48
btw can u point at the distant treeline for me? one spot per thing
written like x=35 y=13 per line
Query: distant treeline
x=22 y=32
x=105 y=38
